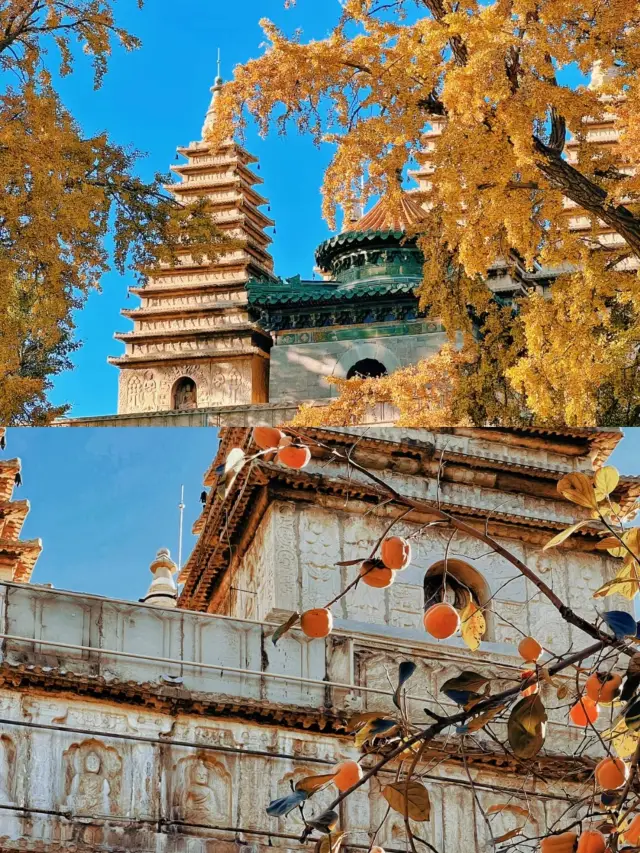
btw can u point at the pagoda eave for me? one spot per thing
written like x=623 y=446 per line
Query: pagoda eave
x=195 y=148
x=181 y=334
x=144 y=361
x=195 y=311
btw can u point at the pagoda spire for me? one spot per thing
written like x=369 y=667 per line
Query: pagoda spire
x=210 y=118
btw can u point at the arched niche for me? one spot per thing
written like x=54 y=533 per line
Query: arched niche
x=453 y=581
x=375 y=351
x=367 y=368
x=184 y=394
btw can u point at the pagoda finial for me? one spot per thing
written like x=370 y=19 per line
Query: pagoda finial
x=162 y=591
x=210 y=117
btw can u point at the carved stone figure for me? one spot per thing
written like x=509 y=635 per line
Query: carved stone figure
x=149 y=391
x=202 y=793
x=92 y=778
x=185 y=395
x=134 y=394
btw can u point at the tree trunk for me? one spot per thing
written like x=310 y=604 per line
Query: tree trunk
x=590 y=196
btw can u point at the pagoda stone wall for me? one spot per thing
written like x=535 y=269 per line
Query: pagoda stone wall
x=301 y=361
x=218 y=383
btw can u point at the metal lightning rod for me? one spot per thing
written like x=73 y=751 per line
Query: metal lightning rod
x=181 y=508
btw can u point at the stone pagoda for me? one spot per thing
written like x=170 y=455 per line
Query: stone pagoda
x=17 y=557
x=193 y=345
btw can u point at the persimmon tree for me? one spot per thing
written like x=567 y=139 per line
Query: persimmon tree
x=599 y=680
x=67 y=197
x=502 y=77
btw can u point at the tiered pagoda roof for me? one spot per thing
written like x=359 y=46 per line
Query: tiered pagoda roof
x=17 y=557
x=188 y=308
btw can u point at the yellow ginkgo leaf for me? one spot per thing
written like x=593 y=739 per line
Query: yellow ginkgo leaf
x=473 y=625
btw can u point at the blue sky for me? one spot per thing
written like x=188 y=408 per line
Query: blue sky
x=104 y=500
x=155 y=99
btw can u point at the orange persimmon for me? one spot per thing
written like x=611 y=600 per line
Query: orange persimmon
x=592 y=841
x=603 y=686
x=317 y=623
x=349 y=772
x=565 y=842
x=375 y=575
x=395 y=552
x=529 y=649
x=585 y=711
x=611 y=773
x=266 y=437
x=441 y=620
x=293 y=456
x=632 y=832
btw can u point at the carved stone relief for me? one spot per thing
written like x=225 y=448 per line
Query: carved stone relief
x=92 y=778
x=202 y=791
x=285 y=557
x=7 y=770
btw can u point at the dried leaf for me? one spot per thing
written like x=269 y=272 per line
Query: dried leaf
x=405 y=671
x=325 y=822
x=360 y=719
x=526 y=727
x=621 y=623
x=331 y=844
x=373 y=729
x=577 y=488
x=281 y=630
x=481 y=720
x=311 y=784
x=625 y=583
x=611 y=544
x=464 y=687
x=473 y=625
x=283 y=805
x=507 y=835
x=563 y=691
x=606 y=480
x=409 y=799
x=565 y=534
x=621 y=739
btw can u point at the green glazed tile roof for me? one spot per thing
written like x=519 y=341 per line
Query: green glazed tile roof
x=295 y=291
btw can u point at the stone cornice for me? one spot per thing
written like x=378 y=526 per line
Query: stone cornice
x=242 y=510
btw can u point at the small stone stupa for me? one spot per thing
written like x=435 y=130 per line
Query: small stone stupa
x=163 y=591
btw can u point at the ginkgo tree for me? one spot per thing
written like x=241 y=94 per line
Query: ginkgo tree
x=604 y=813
x=506 y=81
x=72 y=204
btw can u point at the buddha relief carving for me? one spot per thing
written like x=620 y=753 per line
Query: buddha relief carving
x=203 y=792
x=7 y=767
x=92 y=778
